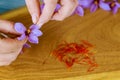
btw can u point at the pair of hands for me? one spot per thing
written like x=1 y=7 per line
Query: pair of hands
x=10 y=48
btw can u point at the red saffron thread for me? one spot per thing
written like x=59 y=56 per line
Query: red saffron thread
x=71 y=53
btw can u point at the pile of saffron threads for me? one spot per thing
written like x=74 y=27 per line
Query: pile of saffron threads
x=73 y=53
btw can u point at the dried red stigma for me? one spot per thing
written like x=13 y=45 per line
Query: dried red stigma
x=71 y=53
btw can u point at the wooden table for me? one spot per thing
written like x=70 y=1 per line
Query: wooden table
x=101 y=29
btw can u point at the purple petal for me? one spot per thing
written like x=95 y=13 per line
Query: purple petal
x=85 y=3
x=22 y=37
x=32 y=27
x=36 y=32
x=33 y=39
x=117 y=4
x=80 y=11
x=93 y=8
x=57 y=7
x=41 y=7
x=115 y=0
x=26 y=45
x=115 y=9
x=20 y=28
x=105 y=6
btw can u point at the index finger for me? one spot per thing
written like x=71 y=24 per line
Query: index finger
x=47 y=12
x=34 y=9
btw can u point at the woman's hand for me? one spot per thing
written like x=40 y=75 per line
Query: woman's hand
x=9 y=48
x=67 y=8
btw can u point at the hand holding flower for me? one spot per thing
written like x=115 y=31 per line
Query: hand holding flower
x=9 y=48
x=32 y=33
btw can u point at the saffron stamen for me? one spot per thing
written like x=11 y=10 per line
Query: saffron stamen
x=112 y=4
x=28 y=31
x=96 y=2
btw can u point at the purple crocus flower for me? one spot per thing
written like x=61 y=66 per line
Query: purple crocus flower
x=99 y=3
x=32 y=33
x=113 y=5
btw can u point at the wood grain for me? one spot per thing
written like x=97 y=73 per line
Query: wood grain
x=99 y=76
x=102 y=29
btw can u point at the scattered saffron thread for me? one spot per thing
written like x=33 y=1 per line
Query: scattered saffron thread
x=71 y=53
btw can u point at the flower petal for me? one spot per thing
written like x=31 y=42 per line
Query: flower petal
x=20 y=28
x=85 y=3
x=57 y=7
x=80 y=11
x=93 y=8
x=33 y=39
x=115 y=9
x=26 y=45
x=41 y=7
x=105 y=6
x=36 y=32
x=22 y=37
x=32 y=27
x=117 y=4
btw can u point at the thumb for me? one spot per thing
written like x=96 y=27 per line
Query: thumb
x=8 y=42
x=11 y=45
x=7 y=27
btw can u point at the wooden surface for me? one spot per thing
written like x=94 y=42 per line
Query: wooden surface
x=100 y=76
x=102 y=29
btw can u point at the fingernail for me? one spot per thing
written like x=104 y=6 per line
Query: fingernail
x=34 y=18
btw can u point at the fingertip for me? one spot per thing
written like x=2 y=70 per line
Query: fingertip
x=21 y=42
x=66 y=10
x=58 y=16
x=24 y=41
x=35 y=18
x=44 y=18
x=47 y=11
x=34 y=9
x=7 y=27
x=5 y=63
x=58 y=19
x=39 y=25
